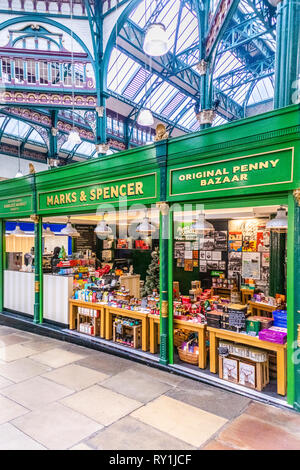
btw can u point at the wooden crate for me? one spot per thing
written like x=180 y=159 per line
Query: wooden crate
x=135 y=331
x=261 y=372
x=82 y=318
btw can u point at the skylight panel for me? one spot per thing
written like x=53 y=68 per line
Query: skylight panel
x=136 y=82
x=173 y=103
x=218 y=121
x=16 y=128
x=36 y=138
x=262 y=91
x=86 y=148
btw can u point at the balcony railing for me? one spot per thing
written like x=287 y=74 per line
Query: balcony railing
x=42 y=74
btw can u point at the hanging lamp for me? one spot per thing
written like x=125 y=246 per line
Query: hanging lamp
x=47 y=232
x=19 y=174
x=156 y=41
x=69 y=230
x=145 y=227
x=280 y=222
x=201 y=226
x=74 y=137
x=103 y=229
x=145 y=117
x=18 y=232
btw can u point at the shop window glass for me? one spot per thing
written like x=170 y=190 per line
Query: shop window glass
x=55 y=73
x=31 y=71
x=6 y=70
x=19 y=70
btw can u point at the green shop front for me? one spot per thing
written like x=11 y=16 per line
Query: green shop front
x=182 y=254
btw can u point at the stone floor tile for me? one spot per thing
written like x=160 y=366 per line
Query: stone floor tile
x=14 y=352
x=56 y=357
x=211 y=399
x=137 y=385
x=251 y=433
x=36 y=392
x=130 y=434
x=75 y=377
x=81 y=446
x=166 y=377
x=12 y=438
x=10 y=410
x=14 y=338
x=4 y=382
x=180 y=420
x=56 y=426
x=101 y=404
x=40 y=345
x=217 y=445
x=105 y=363
x=289 y=420
x=22 y=369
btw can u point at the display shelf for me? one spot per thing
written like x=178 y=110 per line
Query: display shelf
x=215 y=334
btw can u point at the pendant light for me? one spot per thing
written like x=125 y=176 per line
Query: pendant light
x=145 y=227
x=156 y=41
x=103 y=229
x=145 y=117
x=202 y=226
x=69 y=230
x=280 y=222
x=18 y=232
x=47 y=232
x=74 y=137
x=19 y=174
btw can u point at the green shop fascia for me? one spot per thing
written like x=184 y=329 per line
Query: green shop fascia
x=251 y=162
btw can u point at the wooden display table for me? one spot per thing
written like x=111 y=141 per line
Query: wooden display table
x=216 y=334
x=73 y=310
x=222 y=291
x=260 y=309
x=123 y=312
x=247 y=295
x=199 y=328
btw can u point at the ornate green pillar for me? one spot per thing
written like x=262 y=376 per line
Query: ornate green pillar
x=293 y=301
x=287 y=66
x=2 y=264
x=164 y=233
x=38 y=270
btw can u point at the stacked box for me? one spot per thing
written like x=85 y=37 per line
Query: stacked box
x=274 y=335
x=214 y=319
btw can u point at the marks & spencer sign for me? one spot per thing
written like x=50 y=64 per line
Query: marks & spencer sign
x=136 y=188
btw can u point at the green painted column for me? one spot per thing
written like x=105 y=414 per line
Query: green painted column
x=170 y=282
x=287 y=64
x=37 y=268
x=164 y=233
x=2 y=256
x=293 y=302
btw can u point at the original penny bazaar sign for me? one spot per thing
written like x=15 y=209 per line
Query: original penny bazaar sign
x=136 y=188
x=261 y=169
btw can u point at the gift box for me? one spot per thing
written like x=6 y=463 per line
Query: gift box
x=274 y=335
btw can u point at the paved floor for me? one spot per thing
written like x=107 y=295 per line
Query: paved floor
x=55 y=395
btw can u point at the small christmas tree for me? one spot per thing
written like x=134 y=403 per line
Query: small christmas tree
x=152 y=278
x=62 y=254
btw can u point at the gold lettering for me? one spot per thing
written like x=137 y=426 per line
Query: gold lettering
x=274 y=162
x=244 y=177
x=106 y=192
x=235 y=178
x=253 y=166
x=61 y=198
x=130 y=189
x=74 y=197
x=115 y=191
x=68 y=198
x=122 y=190
x=236 y=169
x=99 y=193
x=92 y=194
x=56 y=200
x=263 y=165
x=49 y=200
x=139 y=188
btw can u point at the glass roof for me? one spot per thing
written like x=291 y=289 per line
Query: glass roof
x=235 y=72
